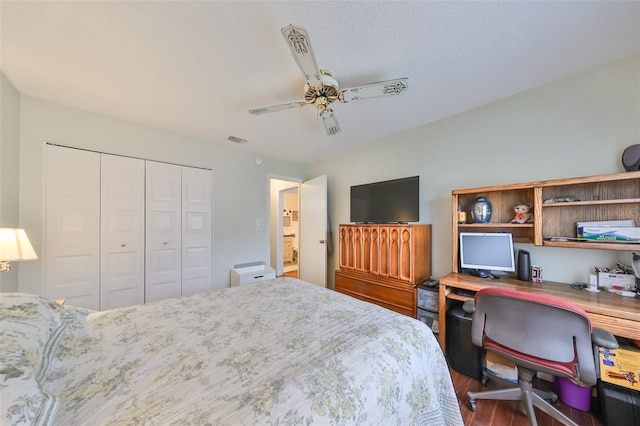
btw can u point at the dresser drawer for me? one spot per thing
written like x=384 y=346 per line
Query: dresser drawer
x=397 y=296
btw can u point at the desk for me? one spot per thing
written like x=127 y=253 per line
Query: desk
x=620 y=315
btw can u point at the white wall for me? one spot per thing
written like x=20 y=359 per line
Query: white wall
x=574 y=127
x=577 y=126
x=9 y=155
x=240 y=185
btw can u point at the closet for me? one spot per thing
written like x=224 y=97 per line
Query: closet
x=122 y=231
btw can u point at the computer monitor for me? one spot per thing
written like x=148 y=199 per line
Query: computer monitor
x=483 y=253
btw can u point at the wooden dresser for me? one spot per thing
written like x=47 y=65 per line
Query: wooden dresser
x=383 y=263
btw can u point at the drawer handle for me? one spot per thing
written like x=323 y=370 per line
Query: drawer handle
x=258 y=276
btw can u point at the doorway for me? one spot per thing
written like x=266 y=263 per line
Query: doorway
x=312 y=236
x=284 y=230
x=290 y=231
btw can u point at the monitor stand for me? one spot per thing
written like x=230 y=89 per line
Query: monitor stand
x=483 y=273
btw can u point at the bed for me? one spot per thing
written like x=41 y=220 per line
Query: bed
x=279 y=352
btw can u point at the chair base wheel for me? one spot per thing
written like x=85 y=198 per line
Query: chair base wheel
x=472 y=404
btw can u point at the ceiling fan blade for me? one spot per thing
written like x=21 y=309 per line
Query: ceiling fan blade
x=373 y=90
x=330 y=122
x=300 y=45
x=279 y=107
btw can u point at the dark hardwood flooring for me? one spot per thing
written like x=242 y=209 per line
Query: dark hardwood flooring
x=502 y=413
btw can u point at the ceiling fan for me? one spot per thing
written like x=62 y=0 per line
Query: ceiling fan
x=321 y=89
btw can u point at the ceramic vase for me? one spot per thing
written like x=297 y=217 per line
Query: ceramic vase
x=481 y=210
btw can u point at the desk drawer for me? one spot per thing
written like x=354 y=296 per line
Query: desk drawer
x=617 y=326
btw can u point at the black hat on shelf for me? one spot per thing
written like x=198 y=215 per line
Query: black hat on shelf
x=631 y=158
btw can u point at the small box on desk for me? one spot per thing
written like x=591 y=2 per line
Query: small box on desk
x=617 y=281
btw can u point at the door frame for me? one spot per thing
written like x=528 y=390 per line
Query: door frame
x=275 y=204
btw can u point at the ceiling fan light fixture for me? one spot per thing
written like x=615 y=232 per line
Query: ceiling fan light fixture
x=330 y=122
x=321 y=103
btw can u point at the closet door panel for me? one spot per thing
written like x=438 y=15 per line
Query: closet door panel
x=122 y=231
x=196 y=231
x=163 y=277
x=72 y=229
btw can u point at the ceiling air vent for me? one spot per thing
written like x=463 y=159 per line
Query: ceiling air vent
x=236 y=139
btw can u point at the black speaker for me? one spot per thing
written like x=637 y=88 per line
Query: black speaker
x=524 y=265
x=631 y=158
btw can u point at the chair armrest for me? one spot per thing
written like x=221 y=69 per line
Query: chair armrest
x=603 y=338
x=469 y=306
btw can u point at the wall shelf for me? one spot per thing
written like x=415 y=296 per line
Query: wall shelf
x=602 y=197
x=600 y=245
x=591 y=203
x=495 y=225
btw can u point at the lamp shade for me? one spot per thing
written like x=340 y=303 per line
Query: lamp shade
x=15 y=245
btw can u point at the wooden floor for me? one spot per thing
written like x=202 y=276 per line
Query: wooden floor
x=501 y=413
x=291 y=274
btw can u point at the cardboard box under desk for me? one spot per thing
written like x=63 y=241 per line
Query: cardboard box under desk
x=620 y=366
x=501 y=367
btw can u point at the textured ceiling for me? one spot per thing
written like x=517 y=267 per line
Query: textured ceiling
x=197 y=67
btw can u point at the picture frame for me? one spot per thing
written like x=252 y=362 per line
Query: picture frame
x=294 y=214
x=286 y=220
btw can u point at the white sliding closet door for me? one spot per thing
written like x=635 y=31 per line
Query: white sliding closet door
x=122 y=231
x=164 y=231
x=72 y=230
x=196 y=230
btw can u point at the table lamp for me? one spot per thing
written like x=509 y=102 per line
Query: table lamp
x=14 y=246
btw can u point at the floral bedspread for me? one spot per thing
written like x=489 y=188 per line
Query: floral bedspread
x=279 y=352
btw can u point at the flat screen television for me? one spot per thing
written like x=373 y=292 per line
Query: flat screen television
x=391 y=201
x=482 y=253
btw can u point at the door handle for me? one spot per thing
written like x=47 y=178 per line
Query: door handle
x=321 y=241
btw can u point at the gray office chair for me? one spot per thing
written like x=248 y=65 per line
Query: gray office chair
x=538 y=333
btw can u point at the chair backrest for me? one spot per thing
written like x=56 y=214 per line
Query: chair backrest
x=537 y=331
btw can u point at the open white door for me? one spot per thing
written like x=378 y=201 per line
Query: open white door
x=313 y=231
